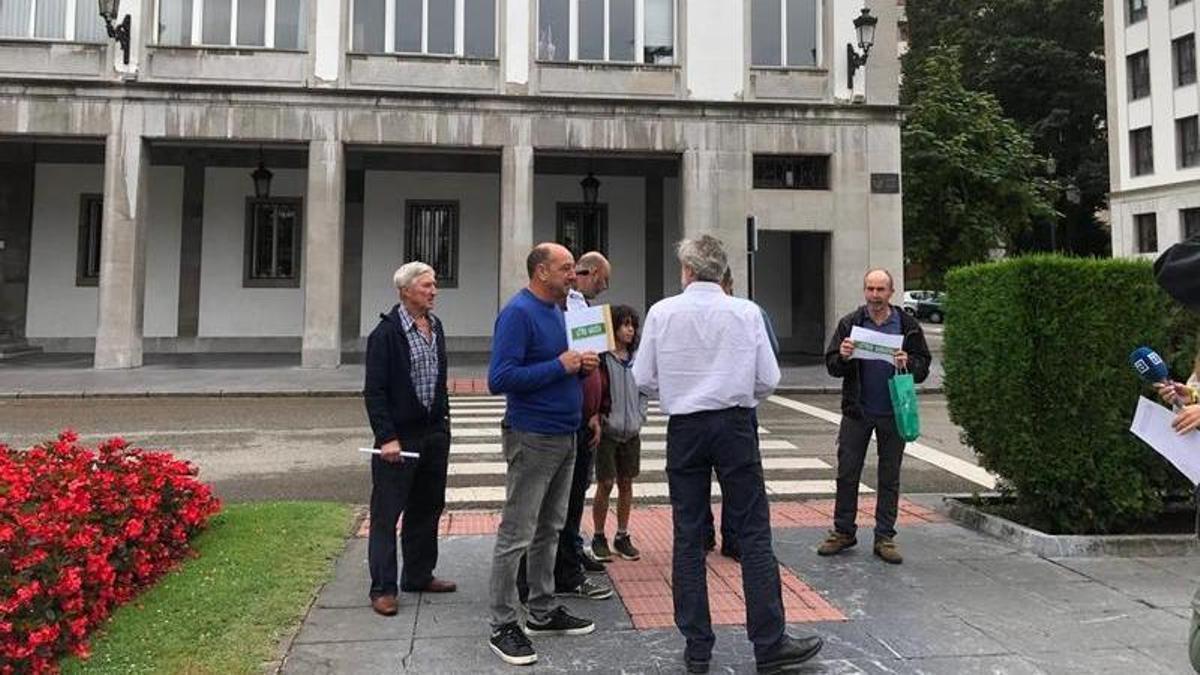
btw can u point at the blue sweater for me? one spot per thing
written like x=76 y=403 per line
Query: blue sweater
x=528 y=338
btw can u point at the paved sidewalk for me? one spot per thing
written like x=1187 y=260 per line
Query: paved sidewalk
x=961 y=603
x=72 y=375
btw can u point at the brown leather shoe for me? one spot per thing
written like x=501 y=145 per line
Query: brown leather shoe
x=836 y=542
x=435 y=585
x=385 y=605
x=886 y=549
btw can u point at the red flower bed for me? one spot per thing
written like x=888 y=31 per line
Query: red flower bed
x=82 y=531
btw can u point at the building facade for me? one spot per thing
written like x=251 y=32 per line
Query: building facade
x=453 y=131
x=1153 y=123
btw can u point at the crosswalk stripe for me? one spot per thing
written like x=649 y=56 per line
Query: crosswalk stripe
x=459 y=413
x=938 y=458
x=647 y=465
x=661 y=419
x=494 y=431
x=801 y=488
x=481 y=448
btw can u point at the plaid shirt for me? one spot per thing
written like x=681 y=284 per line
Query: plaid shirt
x=423 y=356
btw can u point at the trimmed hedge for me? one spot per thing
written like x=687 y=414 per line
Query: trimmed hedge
x=1037 y=375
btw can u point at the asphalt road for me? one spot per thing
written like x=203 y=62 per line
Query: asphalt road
x=306 y=448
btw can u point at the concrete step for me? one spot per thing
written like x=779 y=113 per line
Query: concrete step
x=12 y=348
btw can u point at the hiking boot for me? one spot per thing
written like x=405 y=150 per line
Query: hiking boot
x=600 y=548
x=559 y=622
x=625 y=548
x=511 y=645
x=835 y=543
x=886 y=549
x=589 y=589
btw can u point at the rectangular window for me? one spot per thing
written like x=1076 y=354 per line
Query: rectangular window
x=607 y=30
x=1141 y=145
x=582 y=228
x=785 y=33
x=273 y=233
x=51 y=20
x=1187 y=131
x=437 y=27
x=1139 y=74
x=791 y=172
x=1135 y=10
x=1189 y=222
x=1184 y=52
x=87 y=259
x=1146 y=226
x=270 y=24
x=431 y=236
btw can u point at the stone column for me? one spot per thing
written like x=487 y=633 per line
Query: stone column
x=516 y=218
x=322 y=266
x=122 y=286
x=716 y=195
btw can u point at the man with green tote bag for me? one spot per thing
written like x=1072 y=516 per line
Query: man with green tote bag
x=868 y=386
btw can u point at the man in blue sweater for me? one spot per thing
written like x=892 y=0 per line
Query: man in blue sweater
x=532 y=365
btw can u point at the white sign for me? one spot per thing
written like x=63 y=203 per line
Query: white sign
x=590 y=329
x=871 y=344
x=1152 y=424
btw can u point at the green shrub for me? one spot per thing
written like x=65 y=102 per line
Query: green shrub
x=1038 y=377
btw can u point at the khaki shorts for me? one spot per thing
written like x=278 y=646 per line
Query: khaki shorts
x=618 y=459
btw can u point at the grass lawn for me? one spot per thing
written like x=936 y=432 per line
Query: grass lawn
x=226 y=610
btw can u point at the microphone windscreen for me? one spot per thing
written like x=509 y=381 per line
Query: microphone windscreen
x=1149 y=365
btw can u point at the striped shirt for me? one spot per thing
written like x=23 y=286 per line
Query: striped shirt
x=422 y=355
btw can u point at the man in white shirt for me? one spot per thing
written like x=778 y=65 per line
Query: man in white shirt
x=707 y=357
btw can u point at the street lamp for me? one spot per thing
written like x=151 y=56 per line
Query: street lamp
x=591 y=190
x=864 y=26
x=262 y=178
x=120 y=32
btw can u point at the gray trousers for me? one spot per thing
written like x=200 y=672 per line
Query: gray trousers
x=854 y=436
x=538 y=484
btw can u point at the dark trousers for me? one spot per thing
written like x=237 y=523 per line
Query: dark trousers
x=729 y=542
x=697 y=444
x=416 y=488
x=568 y=565
x=854 y=436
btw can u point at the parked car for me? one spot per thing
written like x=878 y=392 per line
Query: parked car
x=931 y=309
x=911 y=298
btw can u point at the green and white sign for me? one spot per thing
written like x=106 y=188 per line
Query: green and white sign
x=590 y=329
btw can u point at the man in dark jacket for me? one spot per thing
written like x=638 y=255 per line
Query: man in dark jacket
x=867 y=408
x=409 y=409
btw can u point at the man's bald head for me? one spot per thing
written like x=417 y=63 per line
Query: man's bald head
x=878 y=287
x=544 y=254
x=879 y=276
x=591 y=274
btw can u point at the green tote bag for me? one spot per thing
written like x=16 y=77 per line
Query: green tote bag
x=904 y=405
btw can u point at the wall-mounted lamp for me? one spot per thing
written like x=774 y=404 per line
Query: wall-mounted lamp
x=262 y=178
x=120 y=32
x=591 y=190
x=864 y=26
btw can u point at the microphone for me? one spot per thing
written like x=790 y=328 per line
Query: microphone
x=1151 y=368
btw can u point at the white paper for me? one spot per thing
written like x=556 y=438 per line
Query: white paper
x=403 y=453
x=1152 y=424
x=589 y=329
x=871 y=344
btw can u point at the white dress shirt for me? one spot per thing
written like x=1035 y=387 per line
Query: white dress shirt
x=575 y=300
x=704 y=350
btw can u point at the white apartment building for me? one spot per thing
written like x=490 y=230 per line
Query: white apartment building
x=1153 y=123
x=458 y=132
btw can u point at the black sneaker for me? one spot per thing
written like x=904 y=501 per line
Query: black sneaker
x=624 y=547
x=559 y=622
x=589 y=589
x=600 y=548
x=589 y=563
x=791 y=652
x=511 y=645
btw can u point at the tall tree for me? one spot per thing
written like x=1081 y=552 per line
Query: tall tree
x=1043 y=60
x=973 y=182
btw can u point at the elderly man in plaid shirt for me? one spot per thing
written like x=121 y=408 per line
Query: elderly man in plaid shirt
x=409 y=409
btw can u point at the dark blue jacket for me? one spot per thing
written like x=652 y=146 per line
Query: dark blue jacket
x=393 y=407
